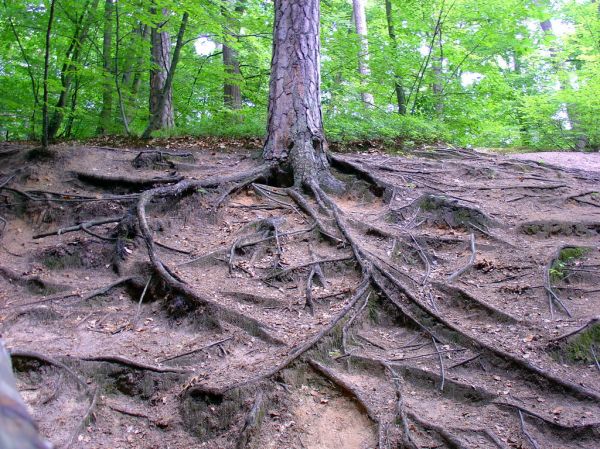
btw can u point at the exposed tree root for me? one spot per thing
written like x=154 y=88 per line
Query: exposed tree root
x=120 y=360
x=17 y=353
x=130 y=182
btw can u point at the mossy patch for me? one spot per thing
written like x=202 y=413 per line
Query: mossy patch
x=578 y=349
x=560 y=267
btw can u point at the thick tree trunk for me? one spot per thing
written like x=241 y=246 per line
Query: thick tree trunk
x=107 y=88
x=45 y=136
x=160 y=58
x=232 y=93
x=295 y=125
x=360 y=22
x=398 y=87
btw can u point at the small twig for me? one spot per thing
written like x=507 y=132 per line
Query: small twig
x=426 y=355
x=139 y=307
x=86 y=418
x=442 y=372
x=171 y=248
x=590 y=323
x=79 y=227
x=469 y=264
x=594 y=356
x=527 y=434
x=464 y=362
x=194 y=351
x=347 y=325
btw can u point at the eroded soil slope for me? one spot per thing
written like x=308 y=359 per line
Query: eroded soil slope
x=189 y=298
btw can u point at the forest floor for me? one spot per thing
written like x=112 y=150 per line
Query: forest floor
x=235 y=314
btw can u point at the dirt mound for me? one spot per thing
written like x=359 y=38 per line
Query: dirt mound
x=447 y=299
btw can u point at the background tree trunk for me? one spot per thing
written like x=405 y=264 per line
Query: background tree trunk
x=398 y=87
x=162 y=118
x=69 y=68
x=107 y=88
x=232 y=93
x=360 y=22
x=45 y=136
x=295 y=125
x=160 y=58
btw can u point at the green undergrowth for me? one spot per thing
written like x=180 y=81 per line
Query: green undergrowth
x=560 y=267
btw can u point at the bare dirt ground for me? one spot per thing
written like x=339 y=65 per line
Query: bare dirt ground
x=154 y=299
x=565 y=159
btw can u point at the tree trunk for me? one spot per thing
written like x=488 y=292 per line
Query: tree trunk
x=69 y=68
x=360 y=22
x=437 y=67
x=163 y=114
x=295 y=125
x=232 y=94
x=160 y=118
x=398 y=88
x=107 y=88
x=45 y=137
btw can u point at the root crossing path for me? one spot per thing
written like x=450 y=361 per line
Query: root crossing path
x=447 y=299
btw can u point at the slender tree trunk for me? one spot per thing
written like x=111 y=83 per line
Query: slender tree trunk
x=398 y=87
x=295 y=137
x=437 y=68
x=107 y=87
x=160 y=118
x=124 y=117
x=232 y=94
x=70 y=67
x=71 y=117
x=360 y=22
x=45 y=138
x=163 y=113
x=137 y=77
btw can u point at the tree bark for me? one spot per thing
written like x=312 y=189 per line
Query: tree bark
x=160 y=118
x=437 y=68
x=398 y=87
x=295 y=137
x=232 y=93
x=360 y=22
x=45 y=136
x=107 y=87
